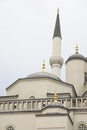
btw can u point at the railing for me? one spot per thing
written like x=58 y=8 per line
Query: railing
x=39 y=104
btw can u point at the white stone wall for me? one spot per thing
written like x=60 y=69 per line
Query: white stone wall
x=60 y=87
x=20 y=121
x=51 y=122
x=26 y=88
x=38 y=88
x=75 y=74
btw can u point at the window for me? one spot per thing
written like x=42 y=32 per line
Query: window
x=10 y=128
x=85 y=76
x=32 y=97
x=82 y=127
x=33 y=102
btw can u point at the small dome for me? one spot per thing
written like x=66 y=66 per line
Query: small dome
x=76 y=56
x=43 y=75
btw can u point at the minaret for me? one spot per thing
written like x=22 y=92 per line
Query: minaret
x=56 y=60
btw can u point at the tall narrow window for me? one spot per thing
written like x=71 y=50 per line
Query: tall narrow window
x=9 y=128
x=33 y=102
x=82 y=127
x=85 y=76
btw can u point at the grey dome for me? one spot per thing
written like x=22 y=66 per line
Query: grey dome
x=76 y=56
x=43 y=75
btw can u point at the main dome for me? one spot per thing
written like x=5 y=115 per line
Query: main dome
x=76 y=56
x=43 y=75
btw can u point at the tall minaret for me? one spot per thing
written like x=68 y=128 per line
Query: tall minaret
x=56 y=60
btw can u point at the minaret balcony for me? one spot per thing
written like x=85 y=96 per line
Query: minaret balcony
x=56 y=60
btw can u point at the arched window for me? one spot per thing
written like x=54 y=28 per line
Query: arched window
x=82 y=127
x=9 y=128
x=33 y=102
x=32 y=97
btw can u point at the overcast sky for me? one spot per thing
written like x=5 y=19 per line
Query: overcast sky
x=26 y=30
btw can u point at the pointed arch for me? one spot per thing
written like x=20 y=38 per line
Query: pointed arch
x=85 y=94
x=10 y=128
x=32 y=97
x=82 y=126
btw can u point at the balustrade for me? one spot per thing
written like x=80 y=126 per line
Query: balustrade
x=38 y=104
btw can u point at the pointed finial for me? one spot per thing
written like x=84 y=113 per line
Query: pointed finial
x=76 y=48
x=57 y=10
x=55 y=97
x=43 y=66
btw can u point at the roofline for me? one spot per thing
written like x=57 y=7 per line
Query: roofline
x=48 y=94
x=13 y=83
x=9 y=96
x=54 y=105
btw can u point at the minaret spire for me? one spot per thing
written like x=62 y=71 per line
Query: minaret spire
x=57 y=30
x=56 y=60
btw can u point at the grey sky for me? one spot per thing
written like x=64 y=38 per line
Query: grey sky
x=26 y=30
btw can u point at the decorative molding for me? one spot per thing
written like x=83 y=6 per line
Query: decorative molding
x=56 y=60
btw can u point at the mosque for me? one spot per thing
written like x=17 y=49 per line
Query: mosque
x=43 y=101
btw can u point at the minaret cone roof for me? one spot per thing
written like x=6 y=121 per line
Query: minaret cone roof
x=57 y=31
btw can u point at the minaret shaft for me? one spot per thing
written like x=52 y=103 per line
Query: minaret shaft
x=56 y=70
x=56 y=46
